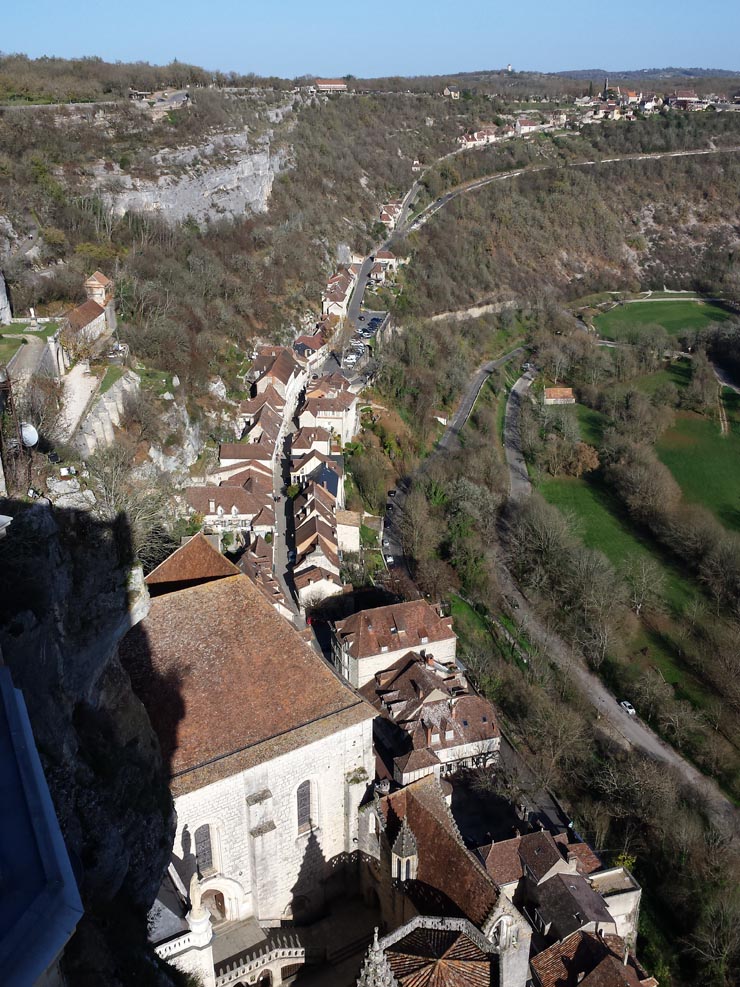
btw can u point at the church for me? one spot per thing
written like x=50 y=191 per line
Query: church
x=269 y=755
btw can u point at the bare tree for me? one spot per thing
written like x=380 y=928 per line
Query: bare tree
x=646 y=583
x=144 y=505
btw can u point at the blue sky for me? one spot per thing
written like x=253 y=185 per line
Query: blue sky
x=408 y=37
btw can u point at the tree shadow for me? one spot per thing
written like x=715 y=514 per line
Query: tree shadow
x=67 y=601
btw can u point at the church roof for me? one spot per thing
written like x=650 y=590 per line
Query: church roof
x=451 y=878
x=84 y=314
x=197 y=561
x=430 y=953
x=228 y=683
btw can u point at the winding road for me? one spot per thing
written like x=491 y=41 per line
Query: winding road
x=630 y=728
x=472 y=186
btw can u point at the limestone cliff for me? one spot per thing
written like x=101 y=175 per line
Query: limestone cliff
x=5 y=313
x=224 y=177
x=67 y=601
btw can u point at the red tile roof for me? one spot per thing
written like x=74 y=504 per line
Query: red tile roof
x=565 y=963
x=445 y=865
x=84 y=314
x=228 y=683
x=369 y=630
x=100 y=279
x=226 y=497
x=197 y=561
x=441 y=958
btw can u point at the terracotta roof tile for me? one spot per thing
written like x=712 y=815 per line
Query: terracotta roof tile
x=226 y=680
x=195 y=562
x=445 y=865
x=416 y=625
x=441 y=958
x=578 y=957
x=84 y=314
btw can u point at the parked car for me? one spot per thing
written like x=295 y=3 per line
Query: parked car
x=391 y=493
x=628 y=707
x=291 y=556
x=386 y=543
x=389 y=560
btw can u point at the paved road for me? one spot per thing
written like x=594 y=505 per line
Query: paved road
x=631 y=728
x=519 y=483
x=450 y=439
x=426 y=214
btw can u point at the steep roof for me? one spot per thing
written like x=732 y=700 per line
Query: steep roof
x=539 y=853
x=99 y=278
x=228 y=683
x=84 y=314
x=449 y=879
x=401 y=625
x=314 y=574
x=283 y=368
x=565 y=963
x=243 y=452
x=195 y=562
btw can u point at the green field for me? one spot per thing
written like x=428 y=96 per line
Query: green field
x=8 y=347
x=674 y=316
x=602 y=526
x=705 y=463
x=591 y=424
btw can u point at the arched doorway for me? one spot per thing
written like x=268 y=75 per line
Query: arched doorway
x=214 y=902
x=265 y=979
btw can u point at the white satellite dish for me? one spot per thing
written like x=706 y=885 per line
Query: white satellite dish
x=29 y=435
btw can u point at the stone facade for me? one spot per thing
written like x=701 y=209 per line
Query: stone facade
x=261 y=863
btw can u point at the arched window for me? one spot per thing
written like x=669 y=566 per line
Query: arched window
x=408 y=870
x=234 y=510
x=204 y=850
x=303 y=798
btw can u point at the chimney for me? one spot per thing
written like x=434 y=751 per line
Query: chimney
x=428 y=732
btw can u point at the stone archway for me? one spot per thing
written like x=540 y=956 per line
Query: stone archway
x=225 y=899
x=215 y=903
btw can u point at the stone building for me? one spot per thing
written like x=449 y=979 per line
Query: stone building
x=372 y=640
x=417 y=864
x=430 y=721
x=269 y=757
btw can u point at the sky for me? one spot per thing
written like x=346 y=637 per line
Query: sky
x=289 y=38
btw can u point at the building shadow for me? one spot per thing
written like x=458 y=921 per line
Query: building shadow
x=68 y=599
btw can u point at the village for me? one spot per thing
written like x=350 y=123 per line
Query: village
x=329 y=827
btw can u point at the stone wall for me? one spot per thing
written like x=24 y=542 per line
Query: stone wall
x=96 y=431
x=262 y=865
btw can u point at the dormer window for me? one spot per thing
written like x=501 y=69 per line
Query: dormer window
x=425 y=640
x=394 y=630
x=383 y=648
x=435 y=738
x=220 y=511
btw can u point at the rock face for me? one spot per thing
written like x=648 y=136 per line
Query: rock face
x=66 y=603
x=226 y=177
x=5 y=313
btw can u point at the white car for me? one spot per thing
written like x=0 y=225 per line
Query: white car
x=628 y=707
